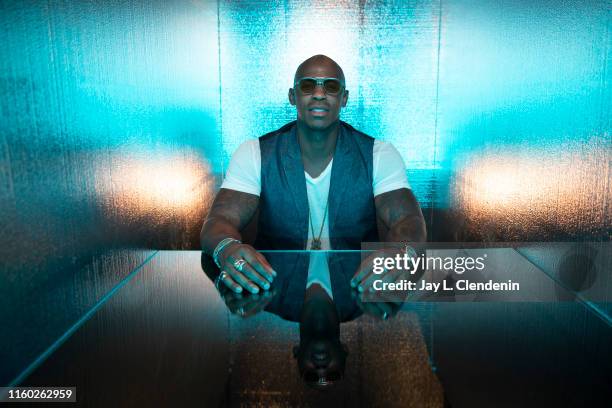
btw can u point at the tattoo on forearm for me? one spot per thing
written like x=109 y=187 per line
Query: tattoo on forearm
x=236 y=207
x=400 y=213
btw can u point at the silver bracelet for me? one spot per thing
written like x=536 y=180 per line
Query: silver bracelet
x=222 y=244
x=219 y=278
x=410 y=251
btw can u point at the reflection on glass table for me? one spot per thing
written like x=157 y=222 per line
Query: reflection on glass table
x=312 y=288
x=170 y=336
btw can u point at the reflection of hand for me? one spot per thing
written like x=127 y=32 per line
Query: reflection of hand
x=245 y=304
x=242 y=267
x=376 y=307
x=364 y=276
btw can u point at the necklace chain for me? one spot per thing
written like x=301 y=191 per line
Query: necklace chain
x=316 y=242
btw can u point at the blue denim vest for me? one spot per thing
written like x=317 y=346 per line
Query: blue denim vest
x=283 y=202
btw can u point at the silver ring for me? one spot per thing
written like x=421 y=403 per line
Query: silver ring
x=384 y=316
x=239 y=264
x=221 y=276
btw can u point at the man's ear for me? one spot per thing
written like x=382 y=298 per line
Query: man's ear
x=292 y=96
x=344 y=98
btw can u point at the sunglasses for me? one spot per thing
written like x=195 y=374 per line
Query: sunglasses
x=330 y=378
x=332 y=86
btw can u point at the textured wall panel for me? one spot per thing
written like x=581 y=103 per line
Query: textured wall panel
x=524 y=117
x=388 y=51
x=108 y=132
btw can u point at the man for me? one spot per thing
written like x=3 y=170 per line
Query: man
x=317 y=182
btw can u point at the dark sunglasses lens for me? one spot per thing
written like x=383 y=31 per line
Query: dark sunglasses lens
x=307 y=86
x=332 y=86
x=313 y=377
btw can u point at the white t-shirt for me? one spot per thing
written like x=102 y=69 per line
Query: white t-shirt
x=318 y=272
x=244 y=175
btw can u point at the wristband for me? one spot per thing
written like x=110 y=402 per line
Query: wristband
x=222 y=244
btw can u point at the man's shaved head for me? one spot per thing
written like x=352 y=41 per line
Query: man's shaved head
x=319 y=63
x=318 y=109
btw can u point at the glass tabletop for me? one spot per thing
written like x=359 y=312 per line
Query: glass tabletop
x=170 y=334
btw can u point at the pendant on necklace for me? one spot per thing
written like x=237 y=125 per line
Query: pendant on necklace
x=316 y=244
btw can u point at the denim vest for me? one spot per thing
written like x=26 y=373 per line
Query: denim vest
x=283 y=202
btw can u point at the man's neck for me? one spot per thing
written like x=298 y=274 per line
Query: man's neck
x=317 y=145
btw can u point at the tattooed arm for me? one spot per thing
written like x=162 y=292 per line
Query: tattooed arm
x=401 y=214
x=229 y=214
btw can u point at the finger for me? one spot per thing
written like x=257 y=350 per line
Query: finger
x=242 y=280
x=367 y=266
x=265 y=265
x=378 y=306
x=232 y=297
x=255 y=270
x=386 y=294
x=388 y=275
x=240 y=301
x=253 y=308
x=258 y=303
x=269 y=294
x=254 y=277
x=241 y=309
x=272 y=292
x=364 y=268
x=234 y=302
x=230 y=283
x=385 y=310
x=367 y=283
x=394 y=297
x=391 y=276
x=248 y=301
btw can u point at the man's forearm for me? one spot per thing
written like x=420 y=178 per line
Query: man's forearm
x=229 y=214
x=214 y=230
x=400 y=213
x=408 y=229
